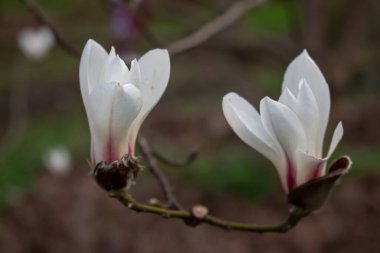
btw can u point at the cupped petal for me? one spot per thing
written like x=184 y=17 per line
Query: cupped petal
x=307 y=111
x=303 y=67
x=134 y=75
x=114 y=71
x=245 y=121
x=309 y=167
x=155 y=70
x=337 y=136
x=285 y=127
x=113 y=107
x=287 y=98
x=90 y=66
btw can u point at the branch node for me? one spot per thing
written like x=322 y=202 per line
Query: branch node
x=199 y=211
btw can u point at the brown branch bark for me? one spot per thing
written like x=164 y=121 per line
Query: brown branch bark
x=190 y=219
x=187 y=161
x=158 y=174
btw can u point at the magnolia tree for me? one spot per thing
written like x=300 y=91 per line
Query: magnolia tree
x=118 y=96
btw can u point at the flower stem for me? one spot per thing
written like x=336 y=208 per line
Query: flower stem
x=295 y=215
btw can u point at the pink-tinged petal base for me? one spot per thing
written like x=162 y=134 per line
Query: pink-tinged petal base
x=317 y=172
x=110 y=154
x=290 y=174
x=131 y=149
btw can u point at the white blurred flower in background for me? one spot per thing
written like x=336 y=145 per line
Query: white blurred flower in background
x=34 y=43
x=58 y=160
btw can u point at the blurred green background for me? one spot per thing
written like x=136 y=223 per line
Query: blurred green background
x=249 y=57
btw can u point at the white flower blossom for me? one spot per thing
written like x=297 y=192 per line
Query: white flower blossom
x=118 y=99
x=290 y=131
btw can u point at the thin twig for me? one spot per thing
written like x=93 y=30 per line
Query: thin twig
x=43 y=19
x=159 y=175
x=295 y=215
x=189 y=159
x=214 y=27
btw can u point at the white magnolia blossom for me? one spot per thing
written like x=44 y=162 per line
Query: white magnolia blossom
x=35 y=43
x=290 y=131
x=118 y=99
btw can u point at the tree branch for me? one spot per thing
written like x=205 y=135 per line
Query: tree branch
x=189 y=159
x=158 y=174
x=214 y=27
x=43 y=19
x=295 y=215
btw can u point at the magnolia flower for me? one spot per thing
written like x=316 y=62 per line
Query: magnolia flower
x=290 y=131
x=118 y=99
x=35 y=43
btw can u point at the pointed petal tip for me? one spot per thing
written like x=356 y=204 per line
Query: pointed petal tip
x=90 y=46
x=340 y=125
x=305 y=52
x=268 y=100
x=229 y=96
x=304 y=55
x=91 y=43
x=118 y=58
x=337 y=136
x=302 y=82
x=112 y=51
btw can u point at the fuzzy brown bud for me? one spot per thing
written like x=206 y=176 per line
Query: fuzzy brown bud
x=117 y=175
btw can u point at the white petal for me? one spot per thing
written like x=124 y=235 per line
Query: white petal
x=134 y=76
x=303 y=67
x=337 y=136
x=114 y=71
x=91 y=63
x=287 y=98
x=308 y=113
x=155 y=71
x=246 y=122
x=285 y=127
x=113 y=108
x=309 y=167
